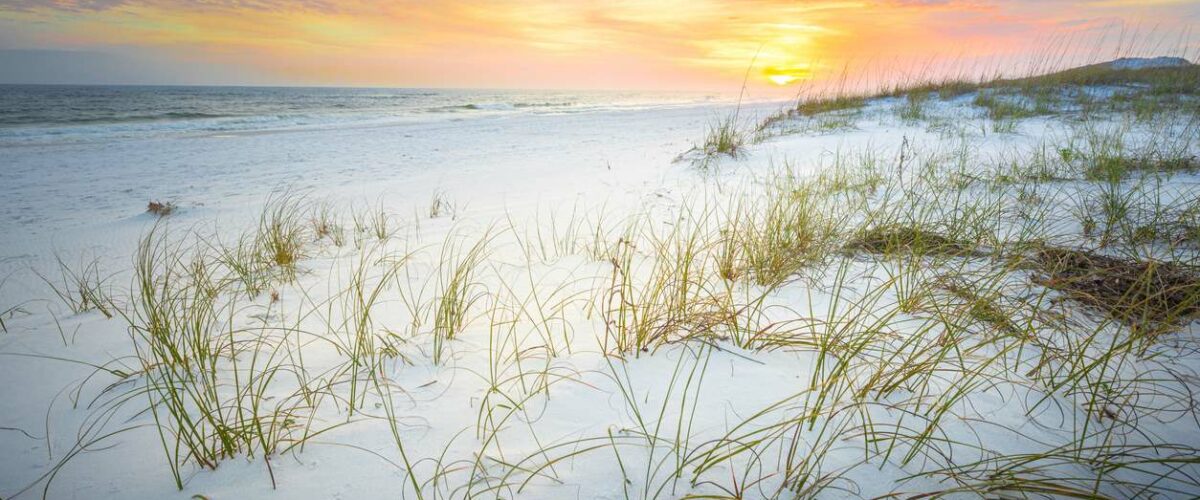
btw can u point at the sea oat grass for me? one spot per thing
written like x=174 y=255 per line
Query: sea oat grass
x=723 y=137
x=458 y=287
x=81 y=288
x=838 y=103
x=212 y=387
x=282 y=231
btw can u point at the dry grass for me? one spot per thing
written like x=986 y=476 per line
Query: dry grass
x=907 y=239
x=1147 y=296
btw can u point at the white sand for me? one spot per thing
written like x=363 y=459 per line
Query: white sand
x=88 y=200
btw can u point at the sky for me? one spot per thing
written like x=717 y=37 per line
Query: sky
x=584 y=44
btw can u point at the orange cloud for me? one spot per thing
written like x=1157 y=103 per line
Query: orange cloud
x=549 y=43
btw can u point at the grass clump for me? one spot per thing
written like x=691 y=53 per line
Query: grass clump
x=244 y=265
x=1146 y=295
x=442 y=206
x=794 y=228
x=282 y=231
x=888 y=240
x=723 y=138
x=458 y=289
x=206 y=380
x=913 y=108
x=945 y=89
x=999 y=109
x=81 y=288
x=1116 y=167
x=820 y=120
x=325 y=225
x=372 y=222
x=650 y=302
x=839 y=103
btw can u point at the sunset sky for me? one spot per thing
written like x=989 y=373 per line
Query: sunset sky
x=664 y=44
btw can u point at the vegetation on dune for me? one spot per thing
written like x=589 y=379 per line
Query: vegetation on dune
x=837 y=103
x=282 y=232
x=81 y=288
x=1146 y=90
x=724 y=137
x=888 y=240
x=999 y=108
x=440 y=206
x=1146 y=295
x=1158 y=80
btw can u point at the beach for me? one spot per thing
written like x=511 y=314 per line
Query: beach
x=556 y=295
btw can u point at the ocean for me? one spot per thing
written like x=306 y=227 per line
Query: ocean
x=50 y=113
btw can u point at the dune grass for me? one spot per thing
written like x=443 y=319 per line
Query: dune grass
x=723 y=137
x=209 y=402
x=442 y=206
x=81 y=288
x=282 y=232
x=458 y=290
x=325 y=224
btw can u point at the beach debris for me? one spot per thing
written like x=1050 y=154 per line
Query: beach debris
x=161 y=209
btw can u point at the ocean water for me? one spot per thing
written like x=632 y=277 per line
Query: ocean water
x=46 y=113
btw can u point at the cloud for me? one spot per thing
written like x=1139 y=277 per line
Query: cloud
x=665 y=43
x=195 y=5
x=25 y=66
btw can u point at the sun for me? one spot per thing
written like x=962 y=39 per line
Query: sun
x=787 y=75
x=782 y=80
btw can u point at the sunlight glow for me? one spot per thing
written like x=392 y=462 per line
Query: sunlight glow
x=782 y=79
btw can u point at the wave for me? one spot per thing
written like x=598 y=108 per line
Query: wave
x=499 y=106
x=53 y=114
x=66 y=119
x=544 y=104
